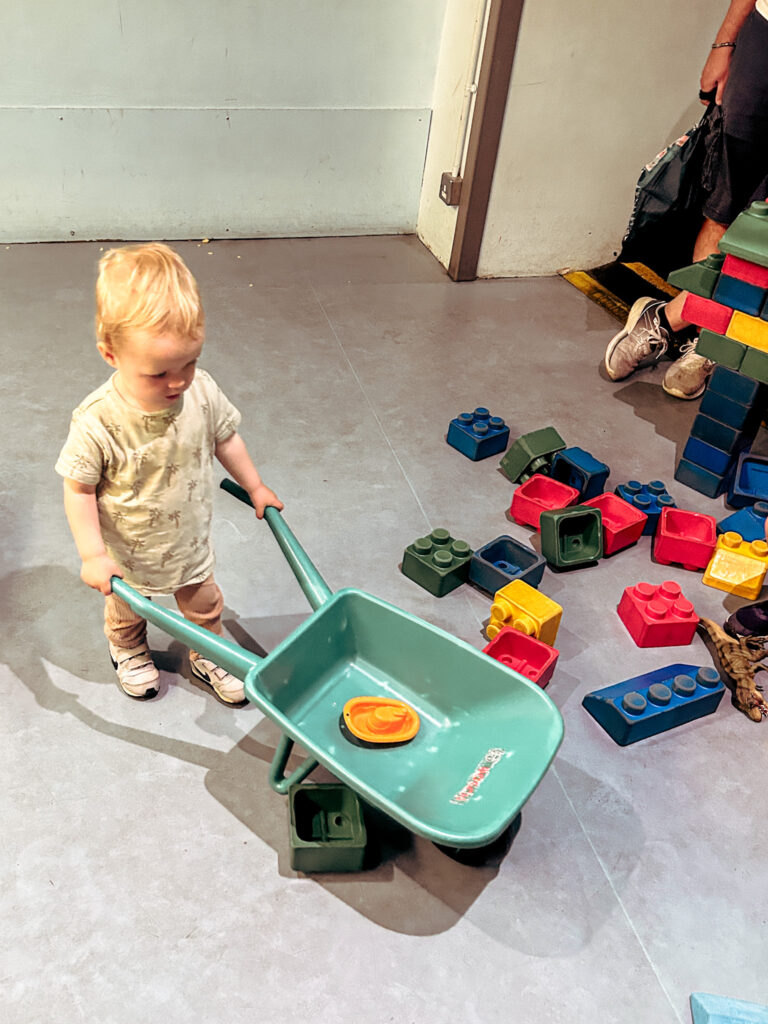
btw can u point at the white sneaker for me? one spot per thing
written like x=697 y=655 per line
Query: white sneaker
x=642 y=341
x=136 y=671
x=226 y=686
x=687 y=377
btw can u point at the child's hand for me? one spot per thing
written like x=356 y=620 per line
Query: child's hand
x=98 y=571
x=261 y=497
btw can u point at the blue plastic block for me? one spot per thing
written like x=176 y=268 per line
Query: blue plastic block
x=730 y=291
x=730 y=412
x=735 y=385
x=502 y=561
x=709 y=1009
x=701 y=480
x=750 y=522
x=708 y=457
x=579 y=469
x=478 y=434
x=720 y=435
x=750 y=481
x=649 y=498
x=653 y=702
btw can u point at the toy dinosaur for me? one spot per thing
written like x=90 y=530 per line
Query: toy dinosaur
x=738 y=657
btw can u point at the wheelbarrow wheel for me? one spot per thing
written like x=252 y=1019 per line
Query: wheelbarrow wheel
x=492 y=852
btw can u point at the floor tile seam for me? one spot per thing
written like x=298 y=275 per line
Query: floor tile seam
x=370 y=405
x=617 y=897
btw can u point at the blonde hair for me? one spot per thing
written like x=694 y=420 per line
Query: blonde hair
x=147 y=288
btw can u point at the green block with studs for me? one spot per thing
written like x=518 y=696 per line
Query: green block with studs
x=571 y=537
x=439 y=563
x=720 y=349
x=531 y=453
x=754 y=364
x=327 y=828
x=747 y=237
x=699 y=278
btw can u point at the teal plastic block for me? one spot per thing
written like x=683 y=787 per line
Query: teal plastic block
x=439 y=563
x=572 y=537
x=720 y=349
x=531 y=453
x=747 y=237
x=709 y=1009
x=699 y=278
x=327 y=828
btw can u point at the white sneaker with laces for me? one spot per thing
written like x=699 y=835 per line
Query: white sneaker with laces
x=687 y=377
x=642 y=341
x=136 y=671
x=226 y=686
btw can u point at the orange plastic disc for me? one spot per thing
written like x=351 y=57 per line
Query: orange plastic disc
x=380 y=720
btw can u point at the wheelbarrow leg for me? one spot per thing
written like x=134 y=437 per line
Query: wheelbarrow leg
x=277 y=777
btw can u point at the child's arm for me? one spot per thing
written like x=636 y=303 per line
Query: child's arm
x=83 y=517
x=234 y=457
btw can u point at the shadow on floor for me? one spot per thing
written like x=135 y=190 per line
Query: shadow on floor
x=671 y=417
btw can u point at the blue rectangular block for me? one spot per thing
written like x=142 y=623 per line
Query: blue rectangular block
x=750 y=481
x=701 y=480
x=503 y=560
x=649 y=498
x=730 y=291
x=750 y=522
x=730 y=412
x=580 y=469
x=719 y=435
x=707 y=456
x=735 y=385
x=654 y=702
x=477 y=434
x=709 y=1009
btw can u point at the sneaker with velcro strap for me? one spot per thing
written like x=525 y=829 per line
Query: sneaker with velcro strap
x=226 y=687
x=136 y=671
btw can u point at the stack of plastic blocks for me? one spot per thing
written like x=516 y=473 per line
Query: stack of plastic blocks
x=525 y=609
x=649 y=499
x=726 y=424
x=658 y=616
x=502 y=561
x=728 y=299
x=571 y=538
x=525 y=654
x=623 y=523
x=439 y=563
x=477 y=434
x=685 y=538
x=580 y=469
x=531 y=453
x=750 y=522
x=651 y=703
x=750 y=481
x=539 y=494
x=738 y=566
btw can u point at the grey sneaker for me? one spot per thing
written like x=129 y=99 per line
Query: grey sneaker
x=136 y=671
x=226 y=687
x=687 y=377
x=642 y=341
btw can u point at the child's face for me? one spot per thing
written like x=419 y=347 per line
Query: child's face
x=153 y=370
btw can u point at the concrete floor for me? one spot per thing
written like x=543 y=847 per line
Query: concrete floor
x=144 y=858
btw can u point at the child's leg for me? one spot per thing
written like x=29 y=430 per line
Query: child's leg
x=127 y=635
x=203 y=603
x=122 y=626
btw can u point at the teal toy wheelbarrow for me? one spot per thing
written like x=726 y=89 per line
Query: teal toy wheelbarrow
x=487 y=735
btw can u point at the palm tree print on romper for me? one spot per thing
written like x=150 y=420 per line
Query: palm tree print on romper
x=153 y=516
x=175 y=517
x=139 y=458
x=171 y=470
x=191 y=485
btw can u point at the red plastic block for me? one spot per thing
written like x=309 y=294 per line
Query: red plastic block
x=658 y=616
x=623 y=524
x=734 y=266
x=686 y=538
x=706 y=313
x=525 y=654
x=540 y=494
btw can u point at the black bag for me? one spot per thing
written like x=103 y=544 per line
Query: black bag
x=670 y=195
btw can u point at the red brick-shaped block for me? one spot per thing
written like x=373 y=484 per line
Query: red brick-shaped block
x=734 y=266
x=623 y=524
x=706 y=313
x=658 y=616
x=685 y=538
x=525 y=654
x=540 y=494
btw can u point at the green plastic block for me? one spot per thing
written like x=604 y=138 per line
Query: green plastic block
x=327 y=828
x=754 y=364
x=720 y=349
x=699 y=278
x=571 y=537
x=531 y=453
x=439 y=563
x=747 y=237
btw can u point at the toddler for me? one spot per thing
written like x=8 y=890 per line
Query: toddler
x=137 y=464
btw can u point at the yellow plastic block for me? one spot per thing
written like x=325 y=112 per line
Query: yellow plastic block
x=749 y=330
x=737 y=566
x=525 y=609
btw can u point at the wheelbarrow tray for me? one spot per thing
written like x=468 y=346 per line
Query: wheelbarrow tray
x=487 y=734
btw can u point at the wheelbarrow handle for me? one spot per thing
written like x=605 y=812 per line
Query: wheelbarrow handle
x=316 y=590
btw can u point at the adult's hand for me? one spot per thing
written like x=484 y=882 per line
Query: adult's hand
x=715 y=73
